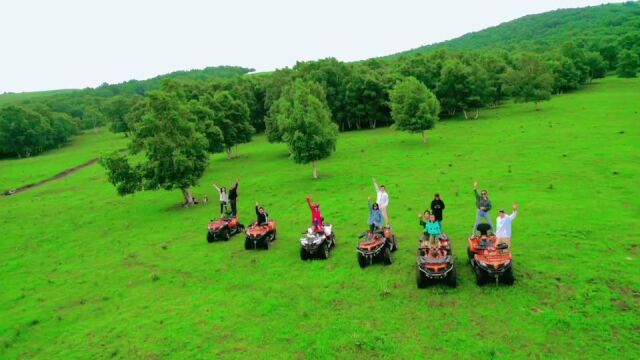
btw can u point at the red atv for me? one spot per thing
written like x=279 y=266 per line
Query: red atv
x=260 y=236
x=224 y=228
x=378 y=246
x=489 y=261
x=436 y=264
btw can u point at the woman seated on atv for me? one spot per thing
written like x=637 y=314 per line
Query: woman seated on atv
x=316 y=217
x=262 y=216
x=375 y=217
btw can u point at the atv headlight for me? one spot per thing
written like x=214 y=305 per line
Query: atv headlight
x=482 y=263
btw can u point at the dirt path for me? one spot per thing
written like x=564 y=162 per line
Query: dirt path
x=61 y=175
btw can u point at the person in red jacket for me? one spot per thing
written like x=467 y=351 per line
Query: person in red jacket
x=316 y=217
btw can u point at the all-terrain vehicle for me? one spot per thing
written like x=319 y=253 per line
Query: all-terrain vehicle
x=317 y=243
x=260 y=236
x=488 y=260
x=436 y=264
x=378 y=246
x=224 y=228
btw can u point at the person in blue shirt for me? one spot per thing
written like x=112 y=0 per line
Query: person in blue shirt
x=375 y=217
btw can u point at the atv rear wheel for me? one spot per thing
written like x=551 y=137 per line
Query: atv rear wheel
x=386 y=255
x=324 y=251
x=304 y=255
x=508 y=278
x=362 y=260
x=451 y=279
x=267 y=244
x=210 y=237
x=421 y=280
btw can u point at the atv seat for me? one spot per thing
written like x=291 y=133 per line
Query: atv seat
x=483 y=229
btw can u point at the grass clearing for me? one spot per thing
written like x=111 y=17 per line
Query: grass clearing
x=88 y=274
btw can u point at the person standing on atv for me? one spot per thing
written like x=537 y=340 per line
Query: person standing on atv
x=261 y=214
x=437 y=207
x=382 y=199
x=233 y=197
x=484 y=206
x=375 y=217
x=432 y=228
x=503 y=223
x=316 y=216
x=224 y=197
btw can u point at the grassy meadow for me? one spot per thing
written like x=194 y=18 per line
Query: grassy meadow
x=88 y=274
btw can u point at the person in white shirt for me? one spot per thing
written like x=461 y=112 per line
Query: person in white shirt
x=224 y=197
x=503 y=232
x=382 y=199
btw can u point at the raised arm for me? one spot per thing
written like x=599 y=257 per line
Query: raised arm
x=515 y=212
x=217 y=188
x=375 y=184
x=257 y=209
x=309 y=202
x=475 y=189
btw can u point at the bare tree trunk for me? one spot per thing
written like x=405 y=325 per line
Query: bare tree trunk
x=315 y=169
x=536 y=103
x=424 y=137
x=465 y=114
x=477 y=113
x=229 y=153
x=188 y=196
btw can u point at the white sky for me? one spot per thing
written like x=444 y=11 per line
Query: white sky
x=55 y=44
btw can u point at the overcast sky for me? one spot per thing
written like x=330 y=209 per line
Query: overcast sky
x=59 y=44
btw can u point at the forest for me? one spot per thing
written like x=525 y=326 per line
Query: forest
x=228 y=105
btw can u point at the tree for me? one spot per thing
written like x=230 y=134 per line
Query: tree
x=414 y=108
x=529 y=81
x=174 y=150
x=367 y=98
x=115 y=111
x=462 y=87
x=565 y=75
x=232 y=117
x=304 y=120
x=627 y=64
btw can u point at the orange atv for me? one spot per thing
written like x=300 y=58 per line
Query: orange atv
x=436 y=264
x=378 y=246
x=489 y=261
x=224 y=228
x=260 y=236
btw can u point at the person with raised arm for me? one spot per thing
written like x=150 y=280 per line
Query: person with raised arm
x=316 y=216
x=503 y=224
x=233 y=198
x=382 y=199
x=484 y=206
x=224 y=197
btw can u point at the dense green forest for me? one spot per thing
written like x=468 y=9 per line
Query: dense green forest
x=527 y=60
x=603 y=27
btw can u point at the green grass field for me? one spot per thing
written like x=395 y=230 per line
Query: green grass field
x=90 y=145
x=88 y=274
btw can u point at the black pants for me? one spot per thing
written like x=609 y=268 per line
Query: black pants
x=222 y=204
x=234 y=210
x=373 y=228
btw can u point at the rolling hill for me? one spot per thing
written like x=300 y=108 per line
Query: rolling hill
x=604 y=25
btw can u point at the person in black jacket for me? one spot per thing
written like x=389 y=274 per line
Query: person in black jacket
x=261 y=214
x=233 y=197
x=437 y=207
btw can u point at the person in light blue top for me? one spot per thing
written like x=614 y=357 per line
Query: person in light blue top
x=432 y=227
x=375 y=217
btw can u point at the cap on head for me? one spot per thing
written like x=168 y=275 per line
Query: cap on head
x=501 y=210
x=437 y=195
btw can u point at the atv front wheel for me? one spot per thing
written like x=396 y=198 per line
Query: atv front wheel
x=451 y=278
x=210 y=237
x=362 y=260
x=386 y=254
x=324 y=251
x=481 y=277
x=421 y=280
x=248 y=244
x=304 y=255
x=395 y=243
x=508 y=277
x=469 y=253
x=225 y=235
